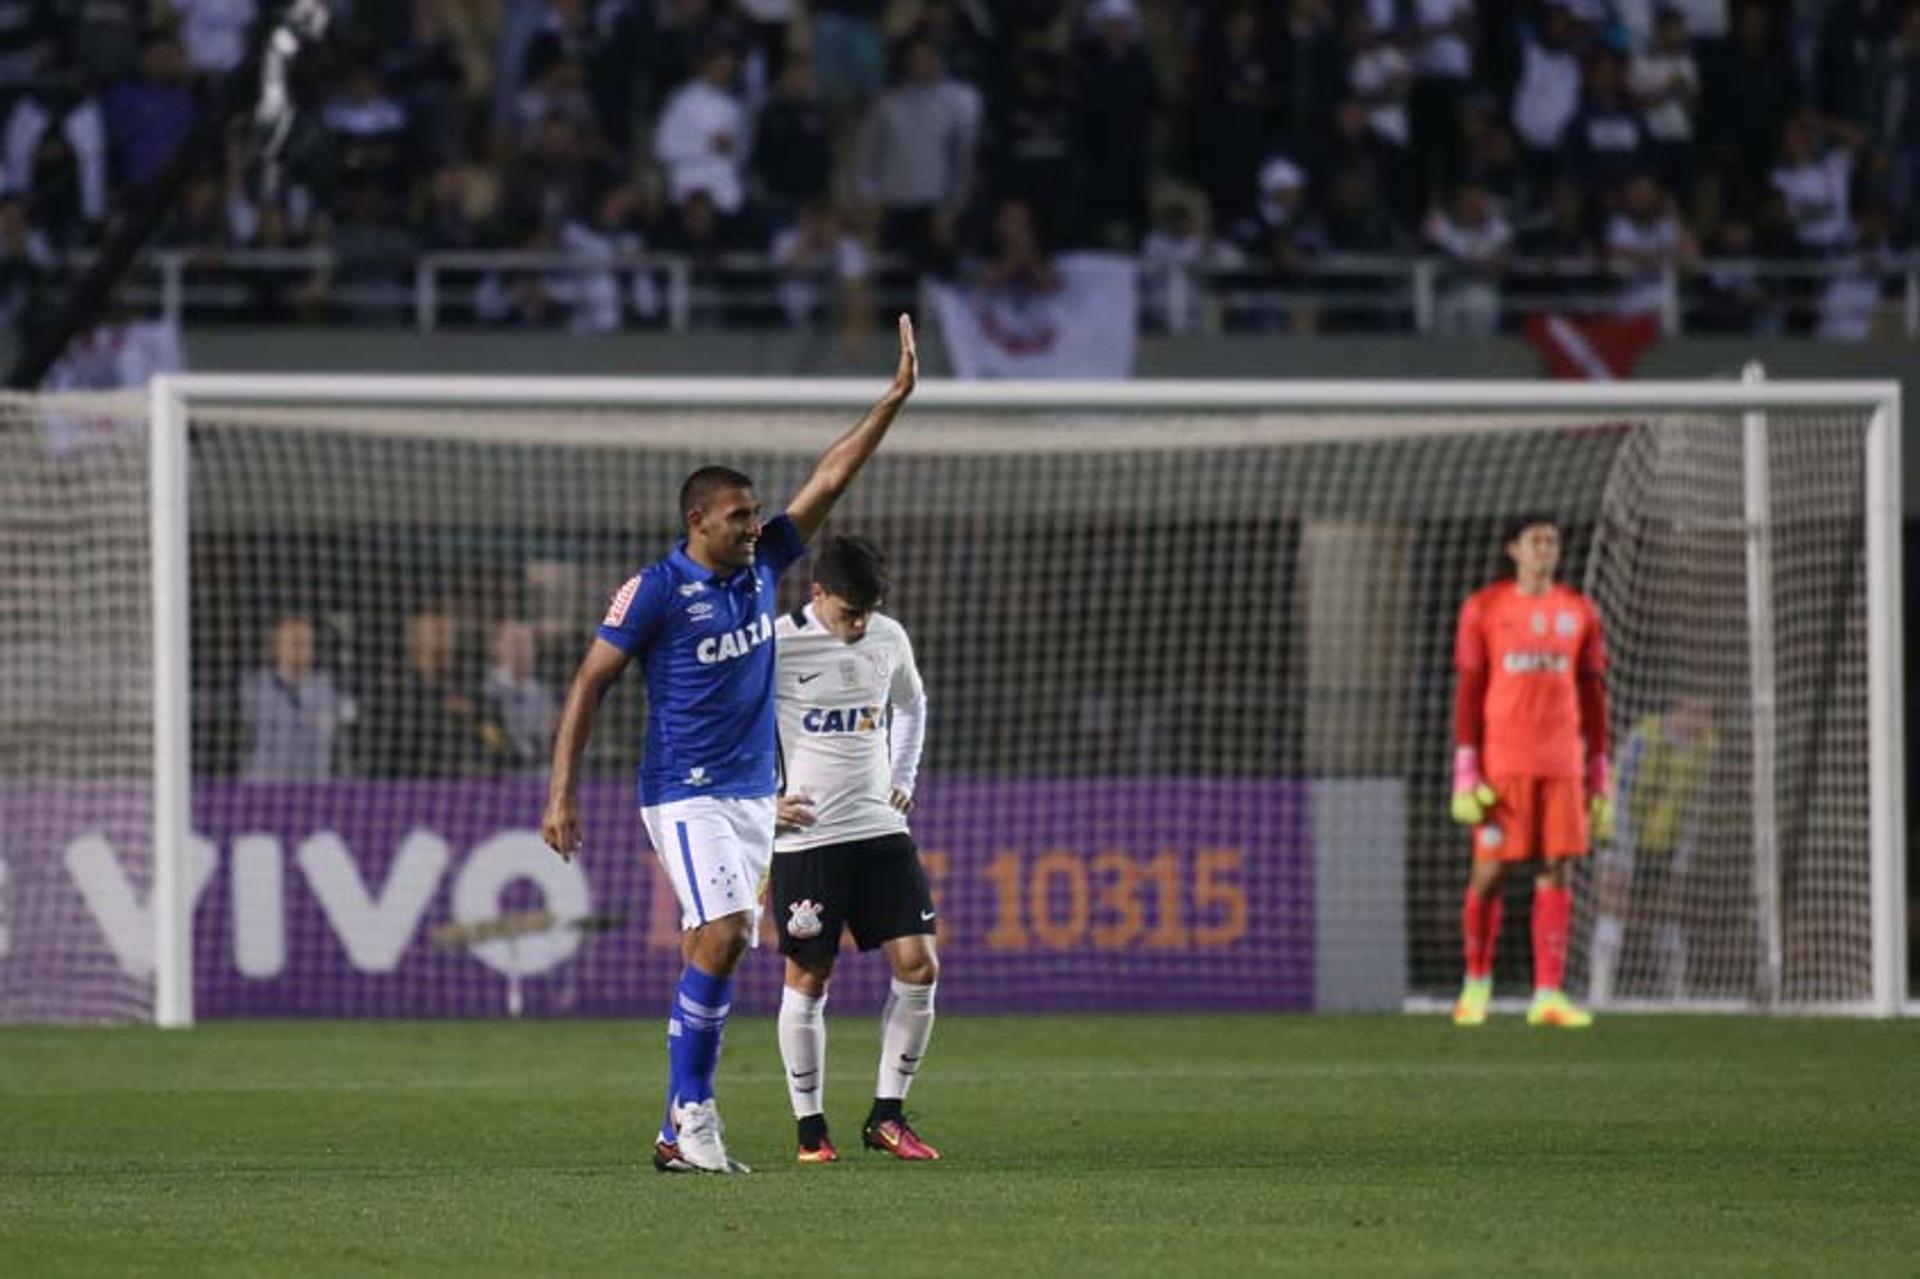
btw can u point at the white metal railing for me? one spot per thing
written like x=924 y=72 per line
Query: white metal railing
x=1412 y=294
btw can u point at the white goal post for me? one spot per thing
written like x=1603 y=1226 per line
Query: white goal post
x=1405 y=481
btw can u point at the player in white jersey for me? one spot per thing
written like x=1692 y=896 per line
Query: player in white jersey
x=852 y=715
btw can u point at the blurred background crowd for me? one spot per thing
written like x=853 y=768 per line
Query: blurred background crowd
x=1515 y=143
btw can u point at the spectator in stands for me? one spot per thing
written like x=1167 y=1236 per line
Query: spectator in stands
x=1555 y=246
x=1665 y=84
x=1851 y=65
x=1380 y=77
x=1230 y=115
x=1548 y=92
x=1903 y=145
x=767 y=28
x=214 y=33
x=107 y=38
x=1490 y=157
x=1443 y=34
x=1309 y=80
x=1182 y=245
x=670 y=36
x=370 y=131
x=1735 y=298
x=1349 y=143
x=518 y=709
x=276 y=296
x=424 y=71
x=960 y=30
x=373 y=252
x=553 y=84
x=1605 y=147
x=56 y=152
x=25 y=261
x=1815 y=175
x=823 y=272
x=1646 y=240
x=424 y=724
x=1287 y=236
x=849 y=57
x=697 y=232
x=793 y=144
x=445 y=220
x=1033 y=156
x=701 y=138
x=200 y=218
x=917 y=161
x=551 y=181
x=1474 y=239
x=1749 y=92
x=601 y=295
x=27 y=30
x=1852 y=299
x=1020 y=262
x=1354 y=223
x=291 y=710
x=1115 y=104
x=147 y=116
x=526 y=297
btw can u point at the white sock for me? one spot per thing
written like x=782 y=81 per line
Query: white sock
x=906 y=1024
x=1603 y=956
x=803 y=1047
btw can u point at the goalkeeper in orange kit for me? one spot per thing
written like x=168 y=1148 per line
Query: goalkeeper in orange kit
x=1530 y=770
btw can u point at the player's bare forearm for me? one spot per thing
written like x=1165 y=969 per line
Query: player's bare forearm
x=845 y=456
x=560 y=824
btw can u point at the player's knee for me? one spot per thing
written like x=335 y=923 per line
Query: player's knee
x=918 y=968
x=810 y=980
x=718 y=944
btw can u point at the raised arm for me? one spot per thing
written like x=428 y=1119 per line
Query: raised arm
x=846 y=455
x=560 y=824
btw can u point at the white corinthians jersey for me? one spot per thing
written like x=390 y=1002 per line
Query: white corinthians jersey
x=852 y=719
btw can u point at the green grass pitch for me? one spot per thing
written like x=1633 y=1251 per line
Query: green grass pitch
x=1109 y=1146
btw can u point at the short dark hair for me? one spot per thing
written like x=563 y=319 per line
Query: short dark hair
x=853 y=569
x=705 y=482
x=1524 y=521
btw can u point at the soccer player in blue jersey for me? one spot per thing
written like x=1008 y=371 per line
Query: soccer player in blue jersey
x=701 y=623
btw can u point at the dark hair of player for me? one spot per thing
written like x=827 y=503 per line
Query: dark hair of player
x=705 y=482
x=1524 y=521
x=853 y=569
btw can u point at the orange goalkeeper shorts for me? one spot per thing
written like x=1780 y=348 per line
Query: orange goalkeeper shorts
x=1534 y=817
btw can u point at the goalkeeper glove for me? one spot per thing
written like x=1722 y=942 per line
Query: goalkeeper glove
x=1473 y=799
x=1600 y=801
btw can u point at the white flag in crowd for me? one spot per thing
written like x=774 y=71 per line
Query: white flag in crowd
x=1086 y=328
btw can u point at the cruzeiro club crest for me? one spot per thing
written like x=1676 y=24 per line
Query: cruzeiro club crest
x=803 y=919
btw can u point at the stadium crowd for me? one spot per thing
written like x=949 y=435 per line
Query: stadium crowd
x=830 y=136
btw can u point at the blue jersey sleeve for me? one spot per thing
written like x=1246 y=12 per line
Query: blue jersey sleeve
x=780 y=544
x=638 y=612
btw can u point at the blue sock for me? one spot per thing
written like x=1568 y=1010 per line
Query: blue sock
x=693 y=1037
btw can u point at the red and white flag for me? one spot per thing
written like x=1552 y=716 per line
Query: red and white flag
x=1086 y=328
x=1593 y=348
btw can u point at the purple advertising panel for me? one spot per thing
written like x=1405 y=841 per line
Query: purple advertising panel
x=431 y=899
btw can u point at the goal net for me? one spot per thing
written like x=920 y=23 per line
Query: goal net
x=1188 y=653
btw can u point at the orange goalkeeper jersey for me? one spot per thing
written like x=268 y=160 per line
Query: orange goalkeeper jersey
x=1533 y=649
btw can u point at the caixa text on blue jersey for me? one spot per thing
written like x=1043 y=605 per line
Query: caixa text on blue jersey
x=724 y=648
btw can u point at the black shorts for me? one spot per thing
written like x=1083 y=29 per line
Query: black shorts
x=875 y=887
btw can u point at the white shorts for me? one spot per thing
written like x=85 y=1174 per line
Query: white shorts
x=716 y=852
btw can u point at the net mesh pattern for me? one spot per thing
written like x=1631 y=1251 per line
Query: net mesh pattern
x=1189 y=676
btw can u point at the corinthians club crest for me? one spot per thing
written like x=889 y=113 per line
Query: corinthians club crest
x=803 y=919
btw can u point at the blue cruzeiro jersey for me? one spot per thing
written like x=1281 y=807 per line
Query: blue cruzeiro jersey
x=705 y=640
